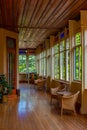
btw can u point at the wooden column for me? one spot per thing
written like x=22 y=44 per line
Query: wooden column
x=84 y=61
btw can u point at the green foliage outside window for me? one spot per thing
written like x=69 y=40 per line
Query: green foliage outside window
x=62 y=66
x=22 y=63
x=31 y=63
x=78 y=58
x=62 y=61
x=56 y=62
x=43 y=63
x=62 y=46
x=67 y=60
x=56 y=66
x=78 y=39
x=68 y=67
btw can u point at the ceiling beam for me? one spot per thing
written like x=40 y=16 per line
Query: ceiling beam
x=25 y=27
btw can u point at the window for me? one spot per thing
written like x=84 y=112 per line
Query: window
x=43 y=63
x=48 y=62
x=62 y=60
x=77 y=57
x=37 y=64
x=22 y=63
x=31 y=63
x=67 y=60
x=56 y=62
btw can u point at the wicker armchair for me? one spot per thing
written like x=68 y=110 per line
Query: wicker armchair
x=54 y=91
x=38 y=80
x=48 y=81
x=40 y=84
x=69 y=102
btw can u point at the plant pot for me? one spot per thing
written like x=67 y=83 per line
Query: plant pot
x=5 y=98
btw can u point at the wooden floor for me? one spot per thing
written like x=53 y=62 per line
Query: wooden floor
x=33 y=111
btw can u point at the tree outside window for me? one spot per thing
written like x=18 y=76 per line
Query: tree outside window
x=62 y=60
x=22 y=63
x=78 y=58
x=32 y=63
x=56 y=62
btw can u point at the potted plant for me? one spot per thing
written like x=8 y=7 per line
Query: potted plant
x=5 y=89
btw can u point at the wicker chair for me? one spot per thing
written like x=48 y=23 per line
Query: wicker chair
x=48 y=81
x=69 y=102
x=31 y=80
x=38 y=80
x=40 y=84
x=54 y=91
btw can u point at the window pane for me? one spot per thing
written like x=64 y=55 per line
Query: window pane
x=56 y=48
x=78 y=64
x=56 y=66
x=62 y=61
x=78 y=58
x=78 y=38
x=62 y=46
x=22 y=63
x=44 y=67
x=56 y=61
x=67 y=60
x=32 y=63
x=20 y=57
x=62 y=66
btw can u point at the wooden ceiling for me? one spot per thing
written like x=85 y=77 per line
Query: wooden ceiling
x=35 y=20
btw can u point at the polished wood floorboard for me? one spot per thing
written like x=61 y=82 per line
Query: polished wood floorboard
x=33 y=111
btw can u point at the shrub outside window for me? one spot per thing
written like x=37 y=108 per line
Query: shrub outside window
x=56 y=62
x=32 y=63
x=22 y=63
x=78 y=58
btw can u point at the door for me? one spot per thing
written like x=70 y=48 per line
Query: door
x=11 y=62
